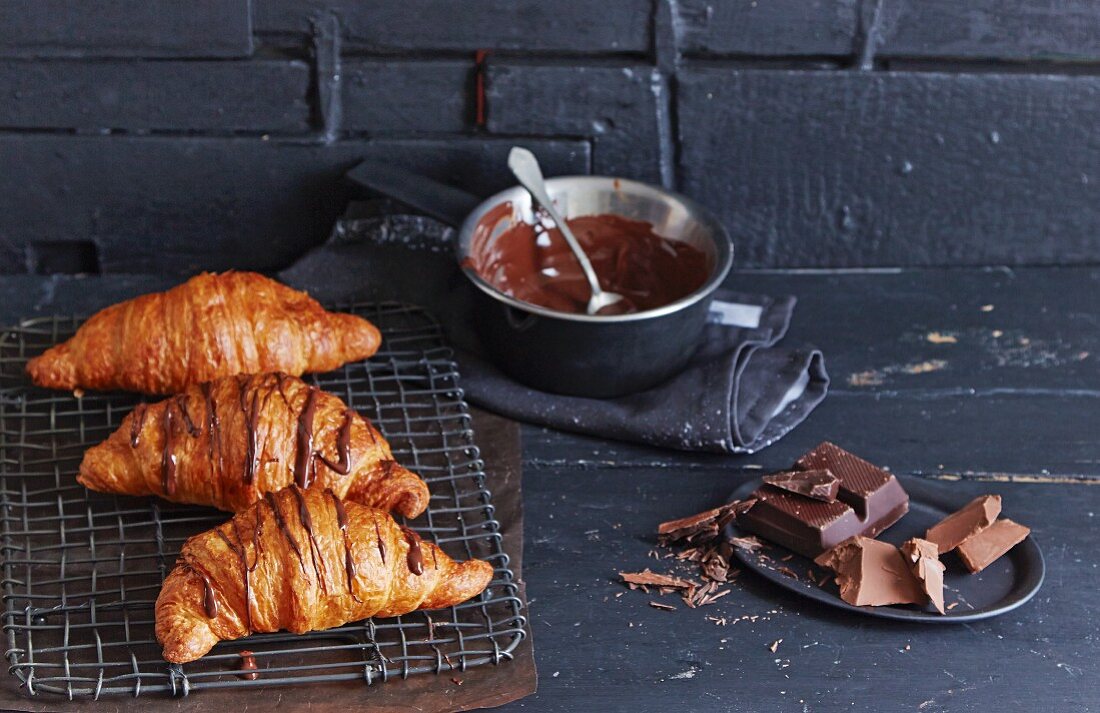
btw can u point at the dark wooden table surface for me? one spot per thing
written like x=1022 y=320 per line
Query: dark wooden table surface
x=986 y=378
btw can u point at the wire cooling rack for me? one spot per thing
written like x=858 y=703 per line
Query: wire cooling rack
x=82 y=570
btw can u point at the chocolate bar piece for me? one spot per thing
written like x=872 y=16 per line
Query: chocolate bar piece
x=817 y=484
x=872 y=573
x=801 y=524
x=875 y=495
x=923 y=559
x=868 y=501
x=974 y=517
x=986 y=547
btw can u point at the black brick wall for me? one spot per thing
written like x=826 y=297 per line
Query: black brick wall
x=156 y=135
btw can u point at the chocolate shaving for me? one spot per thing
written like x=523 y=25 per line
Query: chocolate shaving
x=750 y=542
x=648 y=578
x=702 y=526
x=663 y=607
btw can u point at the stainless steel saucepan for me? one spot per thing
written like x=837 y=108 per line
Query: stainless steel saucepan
x=578 y=354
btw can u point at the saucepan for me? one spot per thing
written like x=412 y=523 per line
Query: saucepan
x=597 y=356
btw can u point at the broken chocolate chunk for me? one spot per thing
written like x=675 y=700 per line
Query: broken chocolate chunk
x=983 y=549
x=872 y=573
x=875 y=495
x=923 y=559
x=817 y=484
x=974 y=517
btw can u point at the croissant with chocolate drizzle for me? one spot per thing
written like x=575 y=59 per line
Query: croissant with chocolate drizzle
x=225 y=443
x=209 y=327
x=303 y=561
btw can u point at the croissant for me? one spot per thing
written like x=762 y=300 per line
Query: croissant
x=225 y=443
x=209 y=327
x=302 y=561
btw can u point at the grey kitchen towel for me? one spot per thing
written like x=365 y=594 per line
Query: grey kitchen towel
x=740 y=392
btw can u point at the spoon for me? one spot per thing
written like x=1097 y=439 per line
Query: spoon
x=526 y=169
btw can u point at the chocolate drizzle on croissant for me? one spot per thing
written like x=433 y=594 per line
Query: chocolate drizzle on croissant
x=251 y=435
x=254 y=575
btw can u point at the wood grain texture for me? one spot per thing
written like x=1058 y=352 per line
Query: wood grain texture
x=118 y=94
x=601 y=651
x=566 y=25
x=873 y=168
x=125 y=28
x=1014 y=393
x=180 y=206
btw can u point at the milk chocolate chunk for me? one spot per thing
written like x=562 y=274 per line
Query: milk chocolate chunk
x=875 y=495
x=923 y=559
x=974 y=517
x=801 y=524
x=983 y=549
x=817 y=484
x=872 y=573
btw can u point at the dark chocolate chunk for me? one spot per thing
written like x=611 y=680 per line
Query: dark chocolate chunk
x=798 y=523
x=875 y=495
x=868 y=501
x=817 y=484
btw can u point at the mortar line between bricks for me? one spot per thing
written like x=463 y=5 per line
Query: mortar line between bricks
x=666 y=48
x=897 y=65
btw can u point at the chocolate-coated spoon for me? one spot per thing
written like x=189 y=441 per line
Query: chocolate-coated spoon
x=526 y=169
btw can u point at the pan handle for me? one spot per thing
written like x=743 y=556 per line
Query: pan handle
x=442 y=202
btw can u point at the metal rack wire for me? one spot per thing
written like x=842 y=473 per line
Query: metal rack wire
x=81 y=570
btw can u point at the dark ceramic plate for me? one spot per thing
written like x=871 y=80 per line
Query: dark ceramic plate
x=999 y=588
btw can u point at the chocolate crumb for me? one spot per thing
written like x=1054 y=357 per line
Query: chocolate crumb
x=456 y=680
x=787 y=571
x=952 y=605
x=774 y=646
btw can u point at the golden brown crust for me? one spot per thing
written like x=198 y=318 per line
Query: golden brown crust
x=212 y=326
x=228 y=442
x=266 y=572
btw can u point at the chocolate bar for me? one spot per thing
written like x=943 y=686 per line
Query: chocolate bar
x=974 y=517
x=817 y=484
x=986 y=547
x=872 y=573
x=869 y=501
x=875 y=495
x=800 y=524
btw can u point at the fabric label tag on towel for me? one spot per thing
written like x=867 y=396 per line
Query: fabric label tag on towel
x=734 y=314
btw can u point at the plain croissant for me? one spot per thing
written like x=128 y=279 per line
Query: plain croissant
x=209 y=327
x=303 y=561
x=227 y=442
